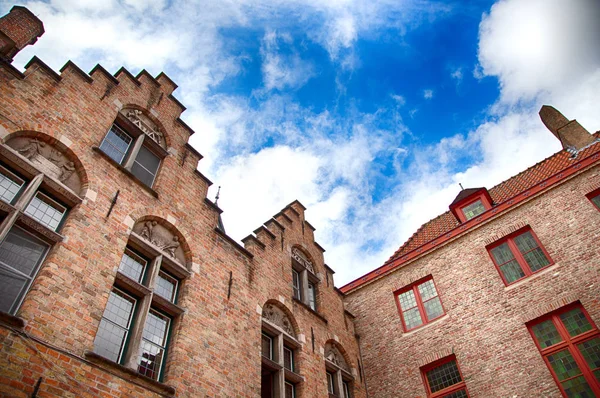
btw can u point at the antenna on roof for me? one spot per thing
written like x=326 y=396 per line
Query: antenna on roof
x=461 y=187
x=217 y=196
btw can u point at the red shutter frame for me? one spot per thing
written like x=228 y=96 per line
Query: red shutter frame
x=448 y=390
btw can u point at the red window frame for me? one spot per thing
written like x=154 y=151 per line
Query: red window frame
x=415 y=288
x=510 y=239
x=482 y=194
x=568 y=342
x=448 y=390
x=591 y=197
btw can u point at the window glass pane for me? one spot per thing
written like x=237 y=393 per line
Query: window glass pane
x=151 y=357
x=546 y=334
x=288 y=359
x=427 y=290
x=145 y=166
x=535 y=257
x=132 y=266
x=407 y=300
x=152 y=349
x=114 y=326
x=296 y=284
x=590 y=350
x=289 y=390
x=577 y=388
x=311 y=296
x=473 y=210
x=443 y=376
x=412 y=318
x=166 y=286
x=20 y=257
x=575 y=322
x=115 y=144
x=346 y=389
x=512 y=271
x=596 y=200
x=46 y=211
x=564 y=365
x=9 y=186
x=502 y=254
x=330 y=383
x=266 y=346
x=433 y=308
x=156 y=328
x=457 y=394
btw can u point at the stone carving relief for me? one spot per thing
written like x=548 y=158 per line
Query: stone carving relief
x=301 y=258
x=161 y=237
x=333 y=355
x=47 y=159
x=149 y=128
x=277 y=317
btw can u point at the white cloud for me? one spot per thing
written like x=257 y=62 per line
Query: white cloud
x=457 y=74
x=428 y=94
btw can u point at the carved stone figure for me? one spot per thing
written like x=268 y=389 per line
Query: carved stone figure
x=32 y=149
x=277 y=317
x=147 y=231
x=301 y=258
x=171 y=246
x=67 y=170
x=333 y=355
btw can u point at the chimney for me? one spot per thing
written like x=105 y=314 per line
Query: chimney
x=570 y=133
x=18 y=28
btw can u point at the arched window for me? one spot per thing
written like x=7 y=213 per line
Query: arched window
x=143 y=303
x=339 y=377
x=137 y=144
x=304 y=279
x=279 y=349
x=40 y=181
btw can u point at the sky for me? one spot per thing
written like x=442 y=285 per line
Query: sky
x=370 y=113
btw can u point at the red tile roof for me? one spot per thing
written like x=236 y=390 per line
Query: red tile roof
x=501 y=193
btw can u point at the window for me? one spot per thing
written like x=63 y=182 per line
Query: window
x=135 y=143
x=30 y=225
x=595 y=198
x=443 y=379
x=279 y=371
x=473 y=210
x=519 y=255
x=304 y=280
x=337 y=371
x=570 y=345
x=129 y=335
x=419 y=304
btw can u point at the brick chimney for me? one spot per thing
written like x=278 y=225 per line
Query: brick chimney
x=570 y=133
x=18 y=28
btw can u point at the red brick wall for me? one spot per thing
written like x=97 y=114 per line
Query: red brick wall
x=484 y=325
x=21 y=26
x=215 y=346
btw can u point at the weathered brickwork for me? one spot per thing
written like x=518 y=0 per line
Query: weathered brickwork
x=484 y=321
x=214 y=348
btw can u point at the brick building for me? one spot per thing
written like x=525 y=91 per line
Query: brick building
x=499 y=296
x=117 y=277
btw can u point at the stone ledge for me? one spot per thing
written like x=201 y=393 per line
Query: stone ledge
x=306 y=307
x=12 y=321
x=130 y=374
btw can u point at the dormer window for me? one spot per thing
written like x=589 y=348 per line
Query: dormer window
x=304 y=281
x=470 y=203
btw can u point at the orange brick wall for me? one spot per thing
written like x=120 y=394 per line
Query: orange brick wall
x=484 y=325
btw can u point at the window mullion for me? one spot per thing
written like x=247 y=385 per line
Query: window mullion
x=137 y=331
x=420 y=305
x=519 y=257
x=139 y=141
x=29 y=192
x=304 y=286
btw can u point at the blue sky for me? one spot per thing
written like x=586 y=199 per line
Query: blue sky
x=369 y=113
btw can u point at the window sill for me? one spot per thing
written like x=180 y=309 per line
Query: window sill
x=166 y=306
x=40 y=228
x=293 y=376
x=307 y=307
x=426 y=326
x=12 y=321
x=126 y=172
x=534 y=276
x=128 y=374
x=270 y=364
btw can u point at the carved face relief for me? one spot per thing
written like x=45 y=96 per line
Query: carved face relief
x=301 y=258
x=161 y=237
x=277 y=317
x=333 y=355
x=144 y=123
x=47 y=159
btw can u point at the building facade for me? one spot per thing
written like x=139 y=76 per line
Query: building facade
x=117 y=277
x=500 y=295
